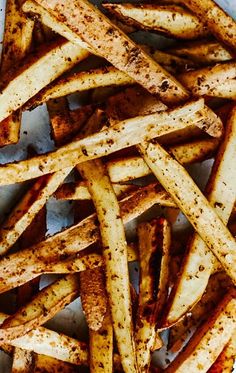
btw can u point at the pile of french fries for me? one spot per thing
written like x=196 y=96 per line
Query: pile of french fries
x=150 y=114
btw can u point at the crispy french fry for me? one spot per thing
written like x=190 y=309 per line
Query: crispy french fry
x=116 y=137
x=101 y=347
x=154 y=246
x=225 y=361
x=195 y=206
x=141 y=67
x=208 y=342
x=46 y=364
x=43 y=307
x=225 y=90
x=201 y=82
x=115 y=257
x=222 y=26
x=202 y=52
x=170 y=20
x=198 y=262
x=37 y=71
x=216 y=288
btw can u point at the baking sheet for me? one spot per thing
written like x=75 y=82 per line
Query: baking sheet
x=35 y=132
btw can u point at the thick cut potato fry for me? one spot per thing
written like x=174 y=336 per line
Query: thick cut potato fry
x=208 y=342
x=222 y=26
x=126 y=56
x=195 y=206
x=154 y=247
x=198 y=262
x=16 y=43
x=46 y=364
x=101 y=347
x=225 y=90
x=121 y=135
x=22 y=361
x=225 y=361
x=170 y=20
x=216 y=288
x=37 y=71
x=201 y=82
x=43 y=307
x=202 y=52
x=115 y=258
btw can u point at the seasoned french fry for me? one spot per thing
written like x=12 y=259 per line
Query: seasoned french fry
x=170 y=20
x=116 y=137
x=46 y=364
x=196 y=208
x=201 y=82
x=22 y=361
x=202 y=52
x=16 y=43
x=225 y=90
x=208 y=342
x=222 y=26
x=36 y=72
x=216 y=288
x=198 y=263
x=141 y=67
x=225 y=361
x=43 y=306
x=154 y=246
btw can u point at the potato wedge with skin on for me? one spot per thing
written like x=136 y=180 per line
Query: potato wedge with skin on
x=225 y=361
x=222 y=26
x=116 y=137
x=16 y=43
x=154 y=246
x=208 y=342
x=171 y=20
x=36 y=72
x=126 y=56
x=198 y=262
x=41 y=308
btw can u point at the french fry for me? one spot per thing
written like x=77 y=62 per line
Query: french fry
x=22 y=361
x=46 y=364
x=202 y=52
x=141 y=67
x=171 y=20
x=123 y=134
x=225 y=90
x=216 y=288
x=201 y=82
x=43 y=307
x=198 y=263
x=154 y=246
x=222 y=26
x=16 y=43
x=225 y=361
x=115 y=258
x=208 y=342
x=59 y=56
x=195 y=206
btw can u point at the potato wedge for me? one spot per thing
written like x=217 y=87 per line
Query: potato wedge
x=154 y=247
x=225 y=361
x=141 y=67
x=195 y=206
x=225 y=90
x=202 y=52
x=16 y=43
x=116 y=137
x=46 y=364
x=35 y=74
x=41 y=308
x=198 y=262
x=170 y=20
x=222 y=26
x=208 y=342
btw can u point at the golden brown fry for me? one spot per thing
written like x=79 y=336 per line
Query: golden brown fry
x=140 y=66
x=202 y=52
x=23 y=361
x=16 y=43
x=222 y=26
x=154 y=247
x=195 y=206
x=116 y=137
x=38 y=70
x=46 y=364
x=198 y=263
x=225 y=90
x=208 y=342
x=225 y=361
x=41 y=308
x=170 y=20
